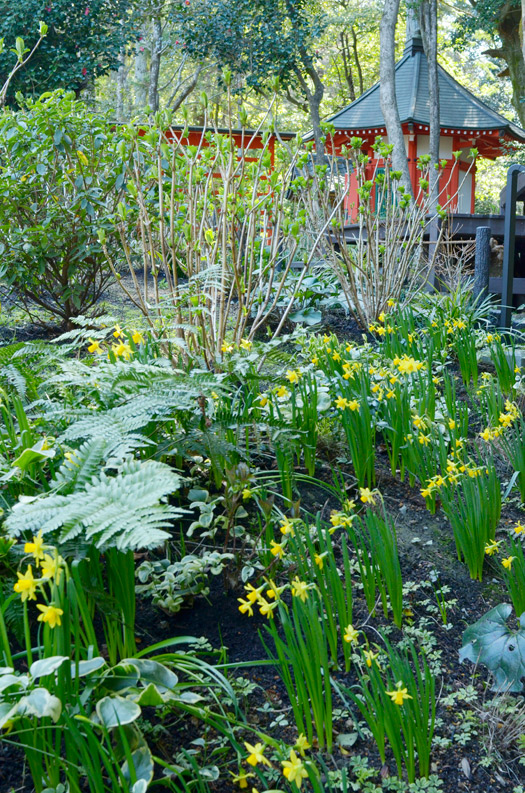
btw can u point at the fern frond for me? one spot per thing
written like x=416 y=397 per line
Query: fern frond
x=83 y=464
x=15 y=378
x=126 y=511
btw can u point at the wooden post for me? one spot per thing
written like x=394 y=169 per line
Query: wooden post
x=505 y=317
x=482 y=263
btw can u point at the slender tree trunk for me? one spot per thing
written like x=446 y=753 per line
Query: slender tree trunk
x=154 y=69
x=314 y=99
x=387 y=90
x=121 y=87
x=357 y=61
x=177 y=100
x=523 y=29
x=345 y=51
x=428 y=18
x=141 y=73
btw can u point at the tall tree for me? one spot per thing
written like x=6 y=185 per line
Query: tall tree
x=387 y=90
x=428 y=22
x=503 y=20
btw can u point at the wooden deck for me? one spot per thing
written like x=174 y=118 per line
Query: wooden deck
x=463 y=226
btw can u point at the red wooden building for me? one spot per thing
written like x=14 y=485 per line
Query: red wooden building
x=465 y=122
x=248 y=141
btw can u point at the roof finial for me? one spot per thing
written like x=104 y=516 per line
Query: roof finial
x=413 y=40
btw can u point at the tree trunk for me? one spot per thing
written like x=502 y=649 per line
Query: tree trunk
x=314 y=99
x=121 y=87
x=428 y=18
x=141 y=73
x=387 y=90
x=314 y=103
x=523 y=29
x=154 y=69
x=357 y=62
x=345 y=52
x=512 y=51
x=514 y=54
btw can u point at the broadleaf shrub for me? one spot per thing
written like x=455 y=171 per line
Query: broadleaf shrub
x=62 y=176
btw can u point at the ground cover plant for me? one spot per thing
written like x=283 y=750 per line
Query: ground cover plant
x=245 y=545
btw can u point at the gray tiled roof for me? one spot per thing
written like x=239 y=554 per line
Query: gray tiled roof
x=458 y=107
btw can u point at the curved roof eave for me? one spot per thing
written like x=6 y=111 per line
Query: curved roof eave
x=491 y=120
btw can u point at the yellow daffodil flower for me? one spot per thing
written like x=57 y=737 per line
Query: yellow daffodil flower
x=367 y=496
x=122 y=350
x=341 y=403
x=245 y=344
x=408 y=365
x=274 y=591
x=50 y=614
x=287 y=527
x=519 y=529
x=267 y=609
x=26 y=585
x=226 y=348
x=277 y=549
x=51 y=567
x=294 y=770
x=137 y=337
x=319 y=559
x=36 y=548
x=302 y=744
x=370 y=657
x=300 y=589
x=282 y=392
x=399 y=694
x=254 y=594
x=95 y=346
x=350 y=634
x=241 y=778
x=256 y=754
x=245 y=607
x=118 y=331
x=507 y=563
x=492 y=547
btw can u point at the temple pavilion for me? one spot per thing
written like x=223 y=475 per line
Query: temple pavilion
x=465 y=123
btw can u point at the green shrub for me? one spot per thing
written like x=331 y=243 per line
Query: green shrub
x=62 y=176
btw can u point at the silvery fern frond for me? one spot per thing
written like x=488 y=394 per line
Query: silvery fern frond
x=127 y=511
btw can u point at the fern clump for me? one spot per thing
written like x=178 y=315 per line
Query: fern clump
x=124 y=508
